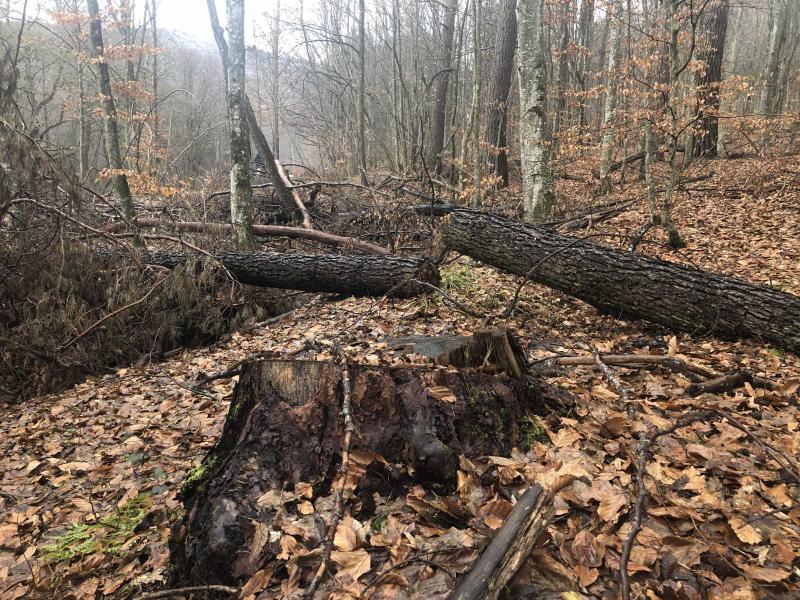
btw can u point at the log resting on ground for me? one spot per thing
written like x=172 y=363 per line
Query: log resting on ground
x=351 y=275
x=629 y=285
x=284 y=428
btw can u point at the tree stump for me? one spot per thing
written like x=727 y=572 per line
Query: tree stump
x=284 y=428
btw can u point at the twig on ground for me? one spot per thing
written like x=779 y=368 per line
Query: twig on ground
x=728 y=382
x=349 y=428
x=630 y=409
x=643 y=454
x=456 y=304
x=189 y=590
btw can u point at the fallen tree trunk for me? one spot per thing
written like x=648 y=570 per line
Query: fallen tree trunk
x=298 y=233
x=351 y=275
x=630 y=285
x=284 y=431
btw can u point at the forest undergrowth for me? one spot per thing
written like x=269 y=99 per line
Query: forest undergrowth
x=91 y=474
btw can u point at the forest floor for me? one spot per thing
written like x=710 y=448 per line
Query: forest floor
x=90 y=475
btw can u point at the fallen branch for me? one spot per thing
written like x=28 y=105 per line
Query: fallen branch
x=691 y=370
x=509 y=548
x=615 y=383
x=321 y=237
x=729 y=382
x=225 y=589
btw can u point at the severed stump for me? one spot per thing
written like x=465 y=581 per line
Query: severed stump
x=495 y=347
x=284 y=427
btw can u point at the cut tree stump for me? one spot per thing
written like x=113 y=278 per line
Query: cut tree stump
x=628 y=285
x=351 y=275
x=284 y=428
x=495 y=347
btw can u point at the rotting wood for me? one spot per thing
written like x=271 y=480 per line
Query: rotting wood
x=281 y=429
x=497 y=347
x=509 y=548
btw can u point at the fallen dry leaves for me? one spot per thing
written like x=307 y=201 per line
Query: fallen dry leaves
x=723 y=515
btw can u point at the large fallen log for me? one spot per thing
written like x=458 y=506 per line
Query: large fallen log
x=311 y=235
x=351 y=275
x=284 y=433
x=630 y=285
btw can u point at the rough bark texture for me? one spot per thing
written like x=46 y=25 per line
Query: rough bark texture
x=440 y=106
x=537 y=178
x=706 y=142
x=499 y=88
x=110 y=130
x=283 y=428
x=630 y=285
x=352 y=275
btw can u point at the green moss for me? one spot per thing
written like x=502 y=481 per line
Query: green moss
x=106 y=536
x=530 y=432
x=196 y=477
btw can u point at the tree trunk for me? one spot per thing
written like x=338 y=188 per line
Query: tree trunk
x=499 y=89
x=609 y=111
x=475 y=117
x=351 y=275
x=630 y=285
x=241 y=189
x=537 y=178
x=706 y=143
x=110 y=130
x=777 y=41
x=283 y=429
x=362 y=109
x=276 y=71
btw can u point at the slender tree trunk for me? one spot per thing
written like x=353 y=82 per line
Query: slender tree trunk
x=586 y=28
x=675 y=239
x=475 y=119
x=539 y=199
x=362 y=110
x=609 y=113
x=499 y=88
x=440 y=102
x=276 y=72
x=241 y=189
x=119 y=179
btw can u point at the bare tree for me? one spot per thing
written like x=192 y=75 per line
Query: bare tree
x=612 y=83
x=119 y=179
x=440 y=102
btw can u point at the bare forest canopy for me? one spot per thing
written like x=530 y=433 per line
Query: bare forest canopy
x=400 y=299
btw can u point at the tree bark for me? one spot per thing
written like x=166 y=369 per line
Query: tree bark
x=241 y=188
x=283 y=428
x=706 y=142
x=630 y=285
x=440 y=106
x=499 y=88
x=537 y=178
x=351 y=275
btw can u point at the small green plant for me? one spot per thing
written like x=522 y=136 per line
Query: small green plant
x=459 y=277
x=530 y=432
x=106 y=536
